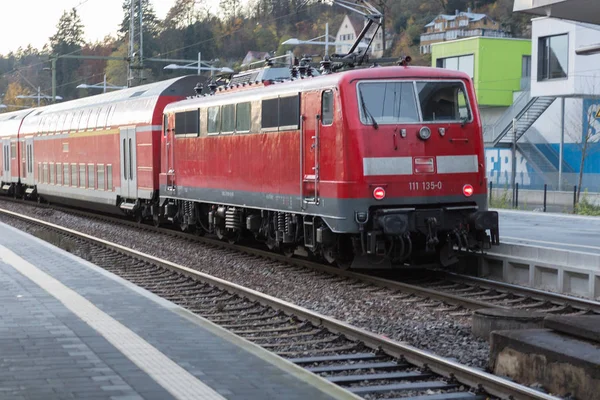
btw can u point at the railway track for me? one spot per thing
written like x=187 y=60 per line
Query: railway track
x=363 y=363
x=460 y=294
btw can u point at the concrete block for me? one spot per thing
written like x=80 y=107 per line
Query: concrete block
x=561 y=364
x=586 y=327
x=485 y=321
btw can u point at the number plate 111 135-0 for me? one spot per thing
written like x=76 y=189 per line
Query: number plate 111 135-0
x=425 y=185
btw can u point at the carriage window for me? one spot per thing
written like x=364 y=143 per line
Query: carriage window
x=387 y=103
x=327 y=107
x=100 y=176
x=82 y=175
x=91 y=177
x=443 y=101
x=52 y=175
x=214 y=120
x=46 y=173
x=242 y=117
x=73 y=174
x=228 y=118
x=66 y=176
x=13 y=150
x=59 y=174
x=109 y=178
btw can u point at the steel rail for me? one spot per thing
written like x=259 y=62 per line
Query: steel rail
x=536 y=294
x=471 y=377
x=465 y=302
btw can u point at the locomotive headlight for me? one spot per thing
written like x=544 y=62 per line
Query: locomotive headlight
x=468 y=190
x=425 y=133
x=379 y=193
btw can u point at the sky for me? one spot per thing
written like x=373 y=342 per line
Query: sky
x=32 y=22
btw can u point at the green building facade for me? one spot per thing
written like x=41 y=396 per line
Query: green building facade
x=498 y=66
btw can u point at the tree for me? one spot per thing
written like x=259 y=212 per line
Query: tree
x=116 y=70
x=182 y=14
x=590 y=134
x=13 y=103
x=68 y=39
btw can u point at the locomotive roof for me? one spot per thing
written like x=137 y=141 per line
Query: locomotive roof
x=130 y=106
x=318 y=82
x=11 y=121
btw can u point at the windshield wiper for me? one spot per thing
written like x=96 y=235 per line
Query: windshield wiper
x=366 y=110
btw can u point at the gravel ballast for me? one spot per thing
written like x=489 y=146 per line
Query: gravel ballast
x=408 y=321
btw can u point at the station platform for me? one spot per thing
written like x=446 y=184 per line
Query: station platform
x=557 y=231
x=71 y=330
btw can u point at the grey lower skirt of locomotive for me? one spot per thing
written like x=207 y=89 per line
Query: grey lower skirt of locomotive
x=411 y=236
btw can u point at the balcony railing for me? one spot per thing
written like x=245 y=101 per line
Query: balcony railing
x=461 y=33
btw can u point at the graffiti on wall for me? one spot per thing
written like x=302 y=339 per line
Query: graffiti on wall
x=499 y=167
x=591 y=120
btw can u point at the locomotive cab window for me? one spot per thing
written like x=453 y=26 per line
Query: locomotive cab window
x=443 y=101
x=242 y=117
x=327 y=107
x=281 y=113
x=187 y=123
x=387 y=103
x=214 y=120
x=228 y=118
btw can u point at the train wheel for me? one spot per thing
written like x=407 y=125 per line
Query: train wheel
x=156 y=221
x=341 y=253
x=288 y=251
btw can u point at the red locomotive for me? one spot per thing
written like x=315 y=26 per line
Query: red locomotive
x=378 y=164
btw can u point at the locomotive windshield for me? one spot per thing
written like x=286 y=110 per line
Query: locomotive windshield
x=412 y=102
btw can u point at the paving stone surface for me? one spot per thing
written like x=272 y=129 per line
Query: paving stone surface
x=48 y=352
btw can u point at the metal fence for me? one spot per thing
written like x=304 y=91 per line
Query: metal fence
x=536 y=181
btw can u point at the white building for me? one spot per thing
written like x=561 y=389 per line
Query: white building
x=568 y=84
x=350 y=29
x=557 y=68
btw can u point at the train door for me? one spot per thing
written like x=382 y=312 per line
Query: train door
x=128 y=163
x=311 y=125
x=28 y=164
x=6 y=161
x=170 y=150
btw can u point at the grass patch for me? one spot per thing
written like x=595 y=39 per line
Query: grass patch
x=584 y=207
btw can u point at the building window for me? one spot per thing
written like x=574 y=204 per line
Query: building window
x=553 y=57
x=526 y=67
x=464 y=64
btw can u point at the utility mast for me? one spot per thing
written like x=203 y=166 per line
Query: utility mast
x=135 y=58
